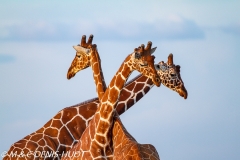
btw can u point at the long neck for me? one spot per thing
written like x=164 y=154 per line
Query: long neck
x=109 y=100
x=98 y=74
x=116 y=85
x=132 y=92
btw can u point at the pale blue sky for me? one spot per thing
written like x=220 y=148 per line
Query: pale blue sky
x=36 y=39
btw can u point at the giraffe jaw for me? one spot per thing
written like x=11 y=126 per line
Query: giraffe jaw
x=70 y=75
x=156 y=80
x=183 y=92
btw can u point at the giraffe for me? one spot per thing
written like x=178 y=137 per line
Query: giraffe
x=139 y=86
x=146 y=151
x=95 y=142
x=120 y=134
x=124 y=145
x=51 y=137
x=87 y=55
x=66 y=127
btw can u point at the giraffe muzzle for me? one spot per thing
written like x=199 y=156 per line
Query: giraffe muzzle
x=157 y=81
x=183 y=92
x=70 y=75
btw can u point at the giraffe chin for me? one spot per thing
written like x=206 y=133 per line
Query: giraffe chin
x=156 y=81
x=183 y=92
x=70 y=75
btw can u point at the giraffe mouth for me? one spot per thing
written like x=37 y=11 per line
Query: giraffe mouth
x=183 y=92
x=156 y=80
x=143 y=65
x=70 y=75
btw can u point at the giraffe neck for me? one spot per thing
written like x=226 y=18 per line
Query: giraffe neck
x=98 y=74
x=109 y=101
x=132 y=92
x=100 y=126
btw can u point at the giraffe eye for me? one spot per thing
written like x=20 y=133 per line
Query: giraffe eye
x=78 y=56
x=163 y=68
x=157 y=66
x=137 y=55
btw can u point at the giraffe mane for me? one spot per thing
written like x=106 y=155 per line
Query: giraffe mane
x=132 y=80
x=82 y=103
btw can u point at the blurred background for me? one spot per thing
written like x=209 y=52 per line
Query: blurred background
x=36 y=39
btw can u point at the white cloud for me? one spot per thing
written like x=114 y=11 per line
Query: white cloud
x=172 y=28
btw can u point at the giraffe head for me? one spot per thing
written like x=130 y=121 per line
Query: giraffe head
x=82 y=57
x=170 y=77
x=143 y=61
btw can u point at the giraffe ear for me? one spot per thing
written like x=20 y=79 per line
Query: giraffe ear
x=153 y=50
x=178 y=68
x=81 y=49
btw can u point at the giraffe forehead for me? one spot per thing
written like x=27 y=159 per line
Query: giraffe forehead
x=163 y=67
x=171 y=70
x=137 y=57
